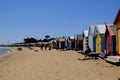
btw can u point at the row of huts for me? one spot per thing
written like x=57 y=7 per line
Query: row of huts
x=103 y=38
x=70 y=43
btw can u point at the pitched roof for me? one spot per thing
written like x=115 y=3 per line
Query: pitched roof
x=71 y=37
x=79 y=36
x=91 y=29
x=117 y=19
x=100 y=28
x=85 y=33
x=113 y=29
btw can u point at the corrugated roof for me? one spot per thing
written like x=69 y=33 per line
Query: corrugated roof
x=100 y=28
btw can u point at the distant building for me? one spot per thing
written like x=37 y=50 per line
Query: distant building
x=62 y=43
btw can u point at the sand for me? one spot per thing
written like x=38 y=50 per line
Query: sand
x=55 y=65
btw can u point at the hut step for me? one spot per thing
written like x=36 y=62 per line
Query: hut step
x=113 y=59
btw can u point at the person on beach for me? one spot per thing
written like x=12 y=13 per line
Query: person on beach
x=42 y=45
x=87 y=51
x=45 y=46
x=19 y=48
x=49 y=46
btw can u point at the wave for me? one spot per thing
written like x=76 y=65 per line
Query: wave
x=4 y=51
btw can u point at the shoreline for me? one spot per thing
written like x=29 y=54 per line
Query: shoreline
x=8 y=52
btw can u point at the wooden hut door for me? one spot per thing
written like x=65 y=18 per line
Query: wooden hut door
x=109 y=45
x=113 y=45
x=98 y=44
x=118 y=40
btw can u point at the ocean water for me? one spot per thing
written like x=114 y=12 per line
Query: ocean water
x=4 y=51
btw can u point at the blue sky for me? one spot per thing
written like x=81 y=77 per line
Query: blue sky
x=36 y=18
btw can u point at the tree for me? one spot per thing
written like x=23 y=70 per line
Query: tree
x=30 y=40
x=47 y=37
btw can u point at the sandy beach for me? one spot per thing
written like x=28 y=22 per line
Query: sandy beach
x=54 y=65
